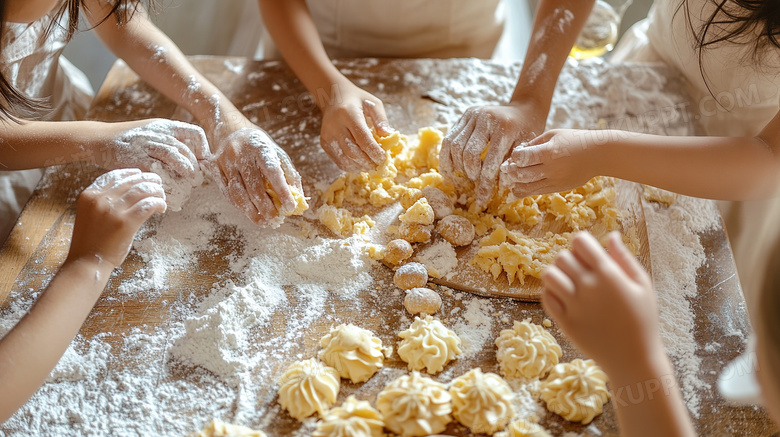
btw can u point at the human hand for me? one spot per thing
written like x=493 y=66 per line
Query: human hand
x=605 y=303
x=247 y=164
x=346 y=130
x=164 y=147
x=110 y=211
x=477 y=145
x=559 y=160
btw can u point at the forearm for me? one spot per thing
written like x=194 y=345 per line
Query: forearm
x=33 y=347
x=36 y=144
x=290 y=24
x=557 y=24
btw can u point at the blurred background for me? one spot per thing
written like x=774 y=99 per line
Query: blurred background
x=234 y=27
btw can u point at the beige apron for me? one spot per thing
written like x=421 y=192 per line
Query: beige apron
x=405 y=28
x=749 y=100
x=34 y=66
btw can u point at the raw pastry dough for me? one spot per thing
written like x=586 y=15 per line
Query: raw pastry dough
x=218 y=428
x=481 y=401
x=414 y=405
x=441 y=203
x=353 y=418
x=415 y=233
x=523 y=428
x=341 y=222
x=398 y=251
x=577 y=391
x=422 y=301
x=308 y=387
x=420 y=213
x=428 y=345
x=354 y=352
x=411 y=275
x=527 y=350
x=301 y=203
x=457 y=230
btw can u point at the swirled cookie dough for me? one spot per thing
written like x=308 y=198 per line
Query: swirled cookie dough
x=218 y=428
x=354 y=352
x=523 y=428
x=527 y=350
x=353 y=418
x=576 y=391
x=481 y=401
x=414 y=405
x=308 y=387
x=428 y=345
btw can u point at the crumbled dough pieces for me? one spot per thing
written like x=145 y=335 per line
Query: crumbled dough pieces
x=341 y=222
x=398 y=251
x=411 y=275
x=356 y=353
x=577 y=391
x=457 y=230
x=353 y=418
x=481 y=401
x=523 y=428
x=420 y=213
x=409 y=197
x=308 y=387
x=301 y=202
x=414 y=405
x=218 y=428
x=422 y=301
x=415 y=233
x=657 y=195
x=527 y=350
x=428 y=345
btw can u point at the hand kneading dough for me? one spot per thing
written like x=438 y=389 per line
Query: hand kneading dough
x=429 y=345
x=354 y=352
x=414 y=405
x=217 y=428
x=577 y=391
x=308 y=387
x=527 y=350
x=481 y=401
x=523 y=428
x=353 y=418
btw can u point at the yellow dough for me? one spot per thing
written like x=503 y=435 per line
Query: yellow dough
x=414 y=405
x=411 y=275
x=354 y=352
x=308 y=387
x=527 y=350
x=428 y=345
x=577 y=391
x=217 y=428
x=422 y=301
x=353 y=418
x=397 y=251
x=341 y=222
x=481 y=401
x=523 y=428
x=301 y=203
x=420 y=213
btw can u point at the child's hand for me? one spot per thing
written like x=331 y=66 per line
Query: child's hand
x=558 y=160
x=604 y=302
x=246 y=164
x=110 y=211
x=346 y=130
x=478 y=144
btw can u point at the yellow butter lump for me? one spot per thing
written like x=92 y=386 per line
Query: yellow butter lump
x=420 y=213
x=341 y=222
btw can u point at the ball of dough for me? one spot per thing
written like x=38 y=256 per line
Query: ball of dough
x=411 y=275
x=440 y=202
x=415 y=233
x=420 y=213
x=354 y=352
x=527 y=350
x=353 y=418
x=481 y=401
x=308 y=387
x=428 y=345
x=422 y=301
x=414 y=405
x=398 y=251
x=457 y=230
x=218 y=428
x=576 y=391
x=523 y=428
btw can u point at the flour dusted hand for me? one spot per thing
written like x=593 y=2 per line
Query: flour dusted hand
x=110 y=211
x=164 y=147
x=481 y=140
x=253 y=171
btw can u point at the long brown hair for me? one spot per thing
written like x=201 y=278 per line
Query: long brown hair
x=12 y=101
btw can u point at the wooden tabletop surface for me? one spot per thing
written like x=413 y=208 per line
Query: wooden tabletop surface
x=39 y=242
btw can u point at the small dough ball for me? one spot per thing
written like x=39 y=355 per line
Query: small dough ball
x=422 y=300
x=420 y=213
x=411 y=275
x=415 y=233
x=218 y=428
x=440 y=202
x=457 y=230
x=409 y=197
x=398 y=251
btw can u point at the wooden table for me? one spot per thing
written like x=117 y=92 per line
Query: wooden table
x=39 y=242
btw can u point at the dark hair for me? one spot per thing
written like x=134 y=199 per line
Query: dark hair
x=754 y=22
x=12 y=101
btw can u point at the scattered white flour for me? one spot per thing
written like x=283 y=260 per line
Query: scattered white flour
x=236 y=67
x=476 y=327
x=440 y=259
x=537 y=68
